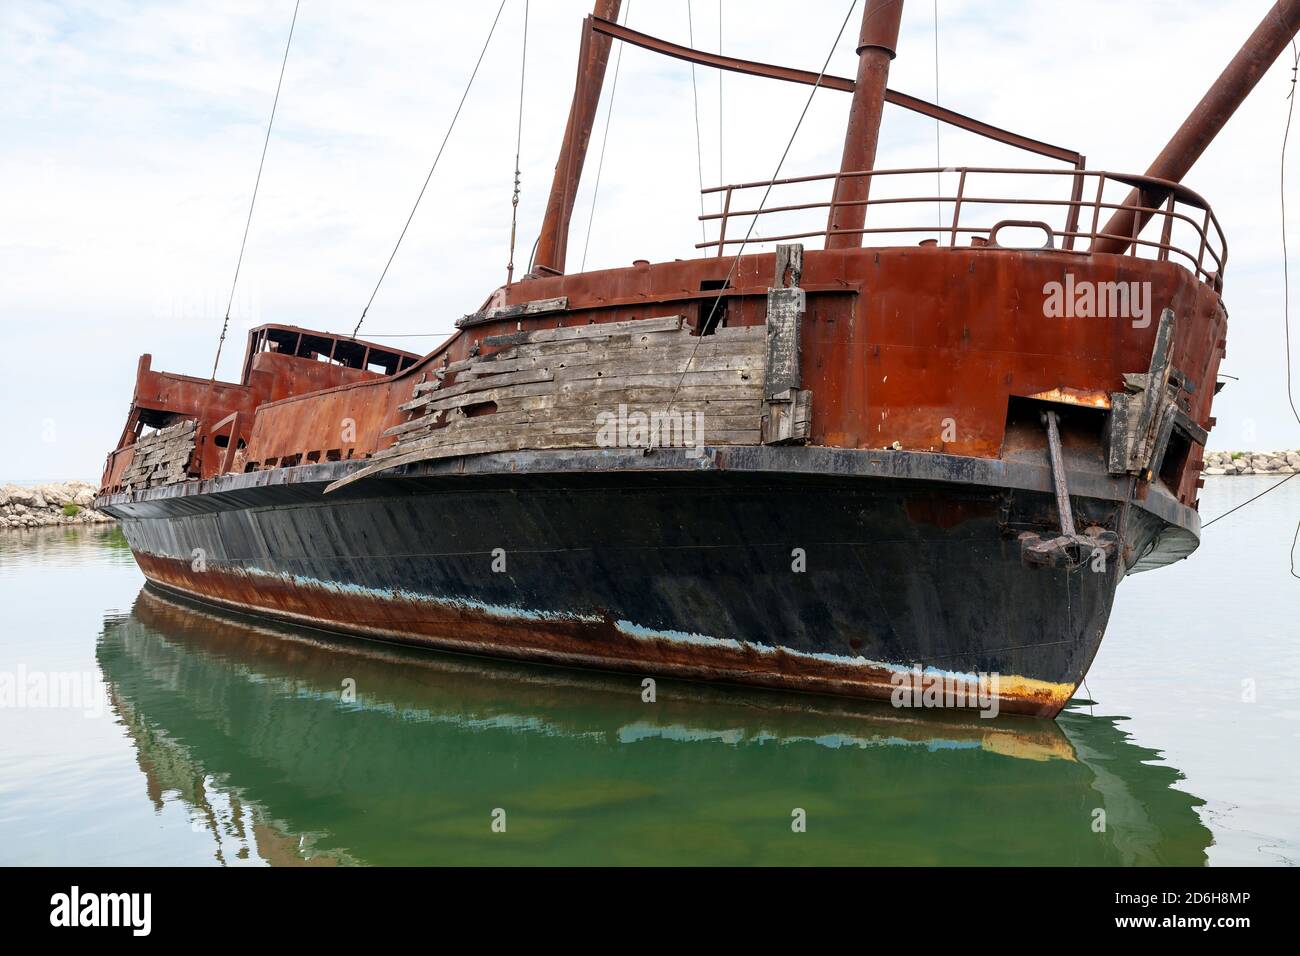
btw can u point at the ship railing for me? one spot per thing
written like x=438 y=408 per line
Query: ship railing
x=1172 y=221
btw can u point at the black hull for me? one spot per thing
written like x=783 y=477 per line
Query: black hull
x=833 y=583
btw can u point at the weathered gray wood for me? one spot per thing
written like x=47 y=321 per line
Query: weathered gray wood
x=595 y=330
x=161 y=457
x=1136 y=432
x=787 y=417
x=789 y=265
x=785 y=309
x=1163 y=430
x=536 y=307
x=666 y=357
x=572 y=388
x=479 y=384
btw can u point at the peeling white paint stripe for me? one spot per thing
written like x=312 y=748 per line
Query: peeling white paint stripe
x=639 y=632
x=502 y=611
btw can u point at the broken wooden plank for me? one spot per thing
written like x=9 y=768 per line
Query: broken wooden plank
x=595 y=330
x=535 y=307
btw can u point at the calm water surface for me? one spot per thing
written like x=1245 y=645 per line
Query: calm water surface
x=210 y=740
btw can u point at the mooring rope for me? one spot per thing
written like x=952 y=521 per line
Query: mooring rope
x=436 y=158
x=256 y=183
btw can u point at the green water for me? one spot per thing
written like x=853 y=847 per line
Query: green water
x=209 y=740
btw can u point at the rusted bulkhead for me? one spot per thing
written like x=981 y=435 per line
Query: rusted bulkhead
x=923 y=347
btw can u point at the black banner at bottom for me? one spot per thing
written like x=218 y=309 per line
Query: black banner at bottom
x=334 y=905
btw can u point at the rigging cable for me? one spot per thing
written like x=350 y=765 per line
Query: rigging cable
x=766 y=193
x=445 y=138
x=256 y=183
x=695 y=96
x=519 y=139
x=1294 y=538
x=600 y=165
x=1249 y=500
x=1286 y=298
x=1286 y=277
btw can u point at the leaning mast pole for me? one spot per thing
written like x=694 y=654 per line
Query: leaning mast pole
x=1204 y=123
x=593 y=58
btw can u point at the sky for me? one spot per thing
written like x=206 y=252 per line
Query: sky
x=130 y=135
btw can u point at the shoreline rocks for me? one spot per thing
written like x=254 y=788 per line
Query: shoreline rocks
x=49 y=505
x=1251 y=463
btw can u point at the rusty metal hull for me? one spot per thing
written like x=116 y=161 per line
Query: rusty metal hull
x=690 y=571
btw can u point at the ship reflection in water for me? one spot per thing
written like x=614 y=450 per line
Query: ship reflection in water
x=253 y=728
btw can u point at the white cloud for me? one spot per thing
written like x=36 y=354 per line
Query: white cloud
x=132 y=132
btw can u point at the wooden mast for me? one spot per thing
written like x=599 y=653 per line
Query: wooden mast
x=593 y=57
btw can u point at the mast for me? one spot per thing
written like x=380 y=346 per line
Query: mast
x=877 y=45
x=1207 y=119
x=593 y=57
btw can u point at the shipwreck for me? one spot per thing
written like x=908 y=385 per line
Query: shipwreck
x=813 y=459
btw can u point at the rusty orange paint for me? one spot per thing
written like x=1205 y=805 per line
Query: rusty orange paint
x=897 y=343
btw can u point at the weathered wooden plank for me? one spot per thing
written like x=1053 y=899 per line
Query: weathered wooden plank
x=785 y=309
x=599 y=401
x=564 y=387
x=536 y=307
x=161 y=457
x=787 y=417
x=527 y=377
x=546 y=435
x=789 y=265
x=659 y=358
x=588 y=406
x=600 y=391
x=594 y=330
x=706 y=421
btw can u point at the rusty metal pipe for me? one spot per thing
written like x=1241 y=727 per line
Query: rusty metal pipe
x=593 y=58
x=877 y=46
x=1214 y=110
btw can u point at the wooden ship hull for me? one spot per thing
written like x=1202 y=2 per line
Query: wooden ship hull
x=824 y=470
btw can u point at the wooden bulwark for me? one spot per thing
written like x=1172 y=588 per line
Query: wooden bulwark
x=640 y=383
x=161 y=458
